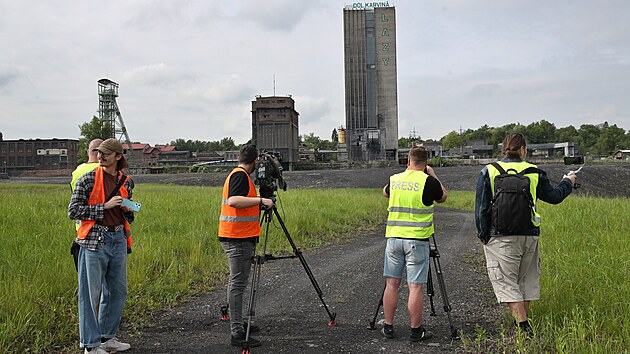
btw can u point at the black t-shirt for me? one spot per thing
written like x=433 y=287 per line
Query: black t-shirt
x=239 y=184
x=432 y=191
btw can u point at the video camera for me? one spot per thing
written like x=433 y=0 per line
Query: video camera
x=268 y=173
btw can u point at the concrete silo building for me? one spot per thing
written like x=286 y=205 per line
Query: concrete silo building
x=275 y=127
x=371 y=90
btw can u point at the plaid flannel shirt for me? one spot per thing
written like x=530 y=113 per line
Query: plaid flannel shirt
x=78 y=209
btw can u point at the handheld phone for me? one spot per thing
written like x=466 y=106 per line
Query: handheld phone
x=135 y=206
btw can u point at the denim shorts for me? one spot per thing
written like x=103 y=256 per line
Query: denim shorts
x=409 y=254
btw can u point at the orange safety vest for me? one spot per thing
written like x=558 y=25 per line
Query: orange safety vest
x=98 y=197
x=239 y=222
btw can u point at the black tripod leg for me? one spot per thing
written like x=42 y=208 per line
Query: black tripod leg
x=298 y=253
x=252 y=296
x=380 y=303
x=430 y=290
x=224 y=313
x=441 y=283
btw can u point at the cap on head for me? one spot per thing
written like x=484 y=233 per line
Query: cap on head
x=110 y=145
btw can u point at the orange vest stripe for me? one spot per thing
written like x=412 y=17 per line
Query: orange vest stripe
x=239 y=222
x=98 y=197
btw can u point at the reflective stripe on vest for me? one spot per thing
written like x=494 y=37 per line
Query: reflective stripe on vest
x=239 y=218
x=98 y=197
x=533 y=183
x=408 y=216
x=239 y=222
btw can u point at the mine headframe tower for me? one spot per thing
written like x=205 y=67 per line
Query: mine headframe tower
x=109 y=113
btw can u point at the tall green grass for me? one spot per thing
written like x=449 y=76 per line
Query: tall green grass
x=585 y=256
x=585 y=280
x=175 y=254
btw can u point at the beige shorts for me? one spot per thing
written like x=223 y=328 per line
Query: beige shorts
x=514 y=267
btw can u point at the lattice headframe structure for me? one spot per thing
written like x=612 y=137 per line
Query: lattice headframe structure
x=109 y=113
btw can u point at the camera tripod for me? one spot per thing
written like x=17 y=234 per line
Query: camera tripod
x=434 y=254
x=259 y=260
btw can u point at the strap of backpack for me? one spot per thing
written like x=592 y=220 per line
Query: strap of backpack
x=499 y=168
x=532 y=170
x=524 y=172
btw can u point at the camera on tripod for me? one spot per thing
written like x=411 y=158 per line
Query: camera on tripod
x=268 y=173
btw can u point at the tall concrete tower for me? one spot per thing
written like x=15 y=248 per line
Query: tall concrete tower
x=371 y=82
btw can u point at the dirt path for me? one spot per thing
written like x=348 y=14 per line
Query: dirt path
x=293 y=320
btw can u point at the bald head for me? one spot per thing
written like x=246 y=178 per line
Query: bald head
x=92 y=150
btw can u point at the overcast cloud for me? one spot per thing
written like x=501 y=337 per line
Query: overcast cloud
x=190 y=69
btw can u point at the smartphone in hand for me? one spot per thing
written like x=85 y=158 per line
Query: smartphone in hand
x=135 y=206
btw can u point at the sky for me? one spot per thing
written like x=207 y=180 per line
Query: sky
x=190 y=69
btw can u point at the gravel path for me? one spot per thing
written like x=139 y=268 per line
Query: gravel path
x=293 y=320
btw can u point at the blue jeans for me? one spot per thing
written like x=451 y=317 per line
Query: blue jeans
x=239 y=257
x=104 y=269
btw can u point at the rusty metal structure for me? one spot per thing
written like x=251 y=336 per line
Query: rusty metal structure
x=109 y=113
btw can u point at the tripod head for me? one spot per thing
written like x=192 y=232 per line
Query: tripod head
x=268 y=174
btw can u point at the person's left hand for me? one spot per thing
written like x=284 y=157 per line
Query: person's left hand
x=266 y=203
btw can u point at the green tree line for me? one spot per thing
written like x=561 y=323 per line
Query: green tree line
x=603 y=139
x=592 y=139
x=225 y=144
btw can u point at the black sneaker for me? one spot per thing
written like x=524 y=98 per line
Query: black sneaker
x=388 y=331
x=239 y=341
x=418 y=334
x=252 y=328
x=525 y=327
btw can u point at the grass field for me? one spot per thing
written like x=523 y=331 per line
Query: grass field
x=584 y=249
x=175 y=254
x=585 y=280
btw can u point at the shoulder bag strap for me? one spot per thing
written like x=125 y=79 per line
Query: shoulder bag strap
x=115 y=191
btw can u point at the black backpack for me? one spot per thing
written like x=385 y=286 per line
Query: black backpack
x=512 y=205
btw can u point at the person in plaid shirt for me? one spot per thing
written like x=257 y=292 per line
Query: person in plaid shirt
x=105 y=240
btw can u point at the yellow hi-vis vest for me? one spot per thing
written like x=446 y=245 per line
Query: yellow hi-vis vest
x=408 y=216
x=533 y=182
x=76 y=174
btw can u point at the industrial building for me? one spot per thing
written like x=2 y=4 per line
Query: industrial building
x=21 y=155
x=371 y=89
x=275 y=127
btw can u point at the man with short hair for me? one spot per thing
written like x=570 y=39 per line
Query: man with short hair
x=411 y=194
x=82 y=169
x=104 y=237
x=239 y=229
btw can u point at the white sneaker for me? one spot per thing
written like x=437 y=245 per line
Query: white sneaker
x=96 y=350
x=113 y=345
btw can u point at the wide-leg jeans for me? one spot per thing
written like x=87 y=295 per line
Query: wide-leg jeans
x=104 y=268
